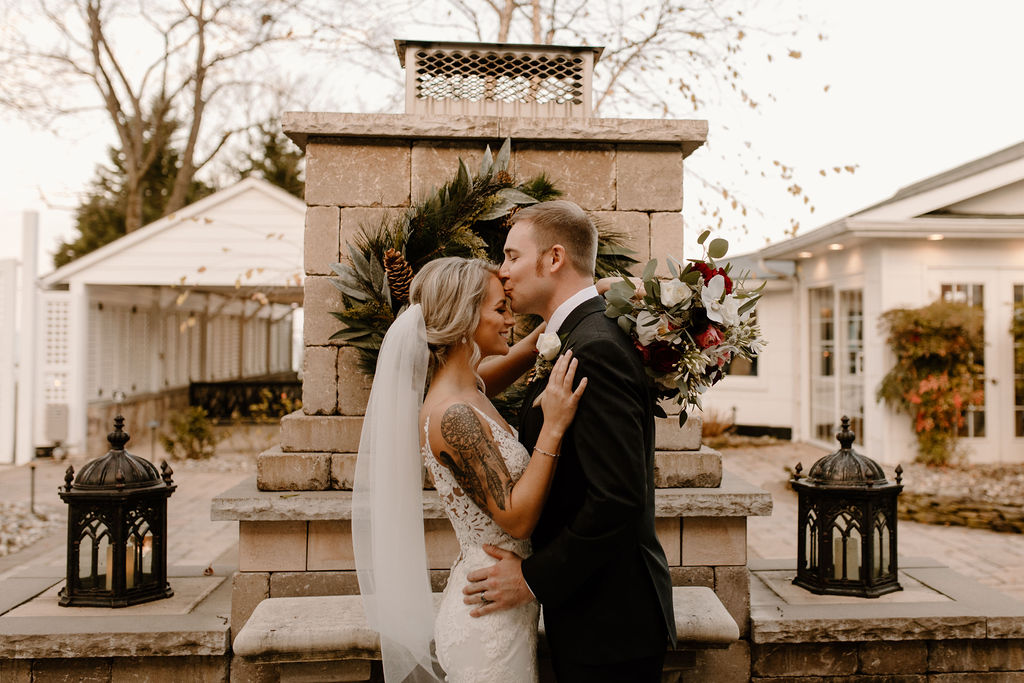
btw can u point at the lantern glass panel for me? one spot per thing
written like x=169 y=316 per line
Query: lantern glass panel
x=93 y=556
x=881 y=543
x=845 y=548
x=140 y=550
x=811 y=540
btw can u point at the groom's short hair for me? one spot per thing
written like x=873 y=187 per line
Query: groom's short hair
x=563 y=222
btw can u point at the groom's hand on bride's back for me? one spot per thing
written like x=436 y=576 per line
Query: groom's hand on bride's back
x=500 y=586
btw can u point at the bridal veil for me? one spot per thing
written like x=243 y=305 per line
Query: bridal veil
x=387 y=507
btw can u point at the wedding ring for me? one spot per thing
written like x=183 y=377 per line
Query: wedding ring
x=484 y=600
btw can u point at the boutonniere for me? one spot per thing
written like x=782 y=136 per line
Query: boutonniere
x=548 y=347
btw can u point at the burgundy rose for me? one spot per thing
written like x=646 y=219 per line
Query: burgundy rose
x=708 y=272
x=663 y=356
x=710 y=337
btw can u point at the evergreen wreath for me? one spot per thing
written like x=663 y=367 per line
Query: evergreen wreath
x=468 y=217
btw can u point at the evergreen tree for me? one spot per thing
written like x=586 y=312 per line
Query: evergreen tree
x=276 y=159
x=102 y=216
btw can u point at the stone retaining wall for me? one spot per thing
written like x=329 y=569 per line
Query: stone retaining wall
x=957 y=511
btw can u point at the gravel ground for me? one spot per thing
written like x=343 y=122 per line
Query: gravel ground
x=20 y=528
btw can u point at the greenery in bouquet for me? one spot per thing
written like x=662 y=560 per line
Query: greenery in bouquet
x=687 y=328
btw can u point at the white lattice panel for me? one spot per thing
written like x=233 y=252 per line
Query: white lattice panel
x=56 y=346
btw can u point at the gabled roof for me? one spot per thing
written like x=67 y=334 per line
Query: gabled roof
x=250 y=227
x=938 y=205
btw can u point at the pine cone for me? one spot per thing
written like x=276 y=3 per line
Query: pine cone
x=399 y=275
x=503 y=178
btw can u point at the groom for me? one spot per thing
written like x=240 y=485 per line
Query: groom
x=598 y=569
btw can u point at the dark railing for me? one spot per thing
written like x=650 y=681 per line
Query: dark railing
x=258 y=399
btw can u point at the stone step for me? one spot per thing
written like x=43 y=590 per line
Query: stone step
x=334 y=628
x=277 y=470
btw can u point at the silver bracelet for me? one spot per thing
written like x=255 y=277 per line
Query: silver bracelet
x=544 y=452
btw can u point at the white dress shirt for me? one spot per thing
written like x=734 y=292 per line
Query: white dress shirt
x=568 y=306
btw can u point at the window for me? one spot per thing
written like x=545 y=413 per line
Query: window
x=822 y=327
x=973 y=295
x=741 y=367
x=851 y=372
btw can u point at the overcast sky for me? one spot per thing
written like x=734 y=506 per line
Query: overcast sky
x=915 y=87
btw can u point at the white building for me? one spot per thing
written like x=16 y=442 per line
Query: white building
x=957 y=235
x=205 y=294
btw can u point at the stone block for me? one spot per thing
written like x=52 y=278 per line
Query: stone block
x=669 y=436
x=169 y=669
x=442 y=546
x=435 y=163
x=693 y=576
x=16 y=670
x=666 y=239
x=320 y=297
x=74 y=670
x=893 y=657
x=246 y=671
x=248 y=589
x=688 y=469
x=279 y=471
x=357 y=174
x=353 y=384
x=320 y=433
x=731 y=665
x=343 y=471
x=439 y=579
x=803 y=659
x=649 y=178
x=585 y=173
x=976 y=655
x=330 y=545
x=300 y=584
x=320 y=380
x=668 y=531
x=634 y=224
x=714 y=541
x=338 y=671
x=732 y=586
x=271 y=546
x=321 y=239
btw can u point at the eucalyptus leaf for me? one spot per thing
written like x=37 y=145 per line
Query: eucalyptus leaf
x=462 y=181
x=624 y=324
x=718 y=248
x=649 y=269
x=658 y=410
x=748 y=305
x=345 y=289
x=499 y=209
x=485 y=165
x=359 y=263
x=376 y=273
x=516 y=196
x=691 y=278
x=703 y=236
x=615 y=297
x=682 y=418
x=672 y=267
x=504 y=154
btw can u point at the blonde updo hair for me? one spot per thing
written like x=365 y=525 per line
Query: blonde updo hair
x=451 y=291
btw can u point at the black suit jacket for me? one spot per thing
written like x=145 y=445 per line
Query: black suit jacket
x=598 y=569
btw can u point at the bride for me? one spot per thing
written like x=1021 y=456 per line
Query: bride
x=452 y=340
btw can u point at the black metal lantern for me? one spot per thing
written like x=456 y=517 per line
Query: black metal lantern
x=117 y=529
x=846 y=542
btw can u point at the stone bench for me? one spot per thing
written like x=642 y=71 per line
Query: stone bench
x=327 y=638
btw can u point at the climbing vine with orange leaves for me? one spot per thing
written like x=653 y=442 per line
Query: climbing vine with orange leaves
x=937 y=374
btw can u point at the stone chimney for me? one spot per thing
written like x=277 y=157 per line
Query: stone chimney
x=498 y=79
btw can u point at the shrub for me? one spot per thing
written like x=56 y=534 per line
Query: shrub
x=936 y=375
x=191 y=434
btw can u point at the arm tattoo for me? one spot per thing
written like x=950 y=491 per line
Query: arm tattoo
x=474 y=460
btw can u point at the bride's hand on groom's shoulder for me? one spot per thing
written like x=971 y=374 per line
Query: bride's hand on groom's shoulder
x=559 y=401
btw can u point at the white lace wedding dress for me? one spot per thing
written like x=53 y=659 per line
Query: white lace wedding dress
x=497 y=647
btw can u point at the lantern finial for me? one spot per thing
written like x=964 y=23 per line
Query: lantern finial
x=118 y=438
x=846 y=436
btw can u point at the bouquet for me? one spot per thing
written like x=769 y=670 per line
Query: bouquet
x=688 y=327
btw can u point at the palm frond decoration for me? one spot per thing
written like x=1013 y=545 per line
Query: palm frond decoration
x=467 y=216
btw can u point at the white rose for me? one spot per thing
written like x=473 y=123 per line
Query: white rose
x=646 y=327
x=548 y=345
x=673 y=292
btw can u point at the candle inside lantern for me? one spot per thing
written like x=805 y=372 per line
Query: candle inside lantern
x=129 y=566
